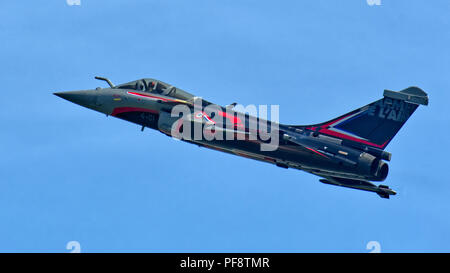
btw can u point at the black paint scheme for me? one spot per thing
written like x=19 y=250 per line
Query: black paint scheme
x=347 y=151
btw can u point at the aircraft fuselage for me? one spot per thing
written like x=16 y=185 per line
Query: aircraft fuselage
x=344 y=161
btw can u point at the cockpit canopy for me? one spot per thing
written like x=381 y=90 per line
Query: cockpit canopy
x=156 y=87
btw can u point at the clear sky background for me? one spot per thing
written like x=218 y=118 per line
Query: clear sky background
x=68 y=173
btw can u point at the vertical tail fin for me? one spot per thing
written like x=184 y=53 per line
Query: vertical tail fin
x=375 y=124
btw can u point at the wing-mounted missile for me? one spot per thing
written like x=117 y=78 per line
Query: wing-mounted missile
x=382 y=190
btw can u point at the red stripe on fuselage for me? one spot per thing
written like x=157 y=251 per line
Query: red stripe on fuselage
x=316 y=152
x=231 y=118
x=150 y=96
x=336 y=134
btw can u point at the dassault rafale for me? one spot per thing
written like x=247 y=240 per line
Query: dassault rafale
x=347 y=151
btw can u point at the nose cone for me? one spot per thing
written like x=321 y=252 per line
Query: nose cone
x=86 y=98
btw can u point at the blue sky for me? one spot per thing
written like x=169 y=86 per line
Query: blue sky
x=68 y=173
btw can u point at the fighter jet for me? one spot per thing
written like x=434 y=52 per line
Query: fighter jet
x=347 y=151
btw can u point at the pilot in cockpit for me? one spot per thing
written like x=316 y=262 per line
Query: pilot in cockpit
x=155 y=87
